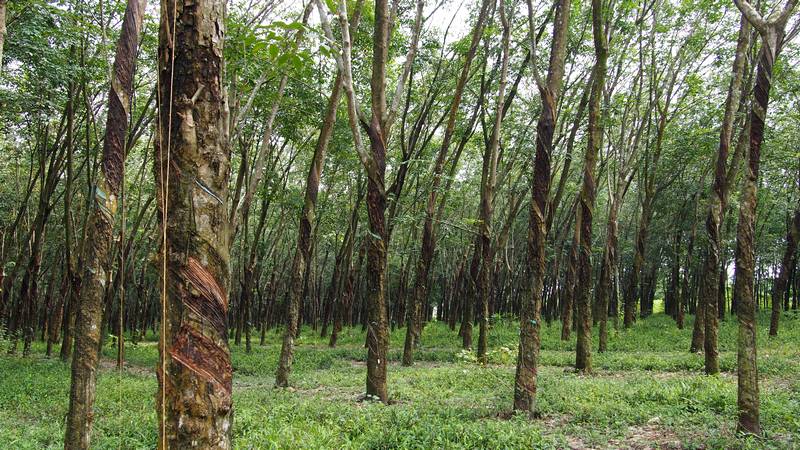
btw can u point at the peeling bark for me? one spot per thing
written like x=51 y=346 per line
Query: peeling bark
x=771 y=31
x=192 y=173
x=531 y=305
x=101 y=223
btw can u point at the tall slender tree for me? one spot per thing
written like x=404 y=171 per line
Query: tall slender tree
x=489 y=180
x=779 y=288
x=307 y=218
x=588 y=194
x=192 y=175
x=771 y=30
x=531 y=305
x=98 y=257
x=378 y=130
x=718 y=202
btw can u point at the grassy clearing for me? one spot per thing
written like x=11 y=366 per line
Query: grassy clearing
x=648 y=391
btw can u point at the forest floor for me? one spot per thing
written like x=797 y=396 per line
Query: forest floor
x=648 y=391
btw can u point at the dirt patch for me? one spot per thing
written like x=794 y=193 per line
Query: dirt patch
x=781 y=384
x=250 y=384
x=576 y=443
x=651 y=435
x=326 y=392
x=111 y=366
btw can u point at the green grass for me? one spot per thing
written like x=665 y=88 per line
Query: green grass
x=648 y=391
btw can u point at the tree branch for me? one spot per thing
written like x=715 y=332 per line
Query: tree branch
x=752 y=15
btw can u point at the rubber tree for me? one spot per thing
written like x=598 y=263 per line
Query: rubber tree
x=378 y=130
x=624 y=151
x=488 y=184
x=779 y=289
x=85 y=359
x=588 y=194
x=771 y=30
x=307 y=220
x=718 y=202
x=192 y=166
x=531 y=303
x=340 y=292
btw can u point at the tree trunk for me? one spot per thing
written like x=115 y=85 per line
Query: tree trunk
x=588 y=195
x=340 y=293
x=24 y=314
x=490 y=159
x=307 y=219
x=374 y=163
x=779 y=289
x=56 y=318
x=531 y=305
x=101 y=222
x=683 y=288
x=192 y=175
x=671 y=302
x=709 y=284
x=632 y=293
x=377 y=322
x=608 y=269
x=334 y=303
x=748 y=395
x=250 y=272
x=469 y=298
x=567 y=291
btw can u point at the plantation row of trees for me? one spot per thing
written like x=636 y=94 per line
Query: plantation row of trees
x=205 y=171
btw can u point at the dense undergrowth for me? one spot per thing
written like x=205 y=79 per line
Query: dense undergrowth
x=647 y=391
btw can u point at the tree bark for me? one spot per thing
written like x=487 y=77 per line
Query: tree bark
x=779 y=289
x=588 y=195
x=771 y=32
x=531 y=305
x=377 y=322
x=716 y=209
x=192 y=176
x=101 y=222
